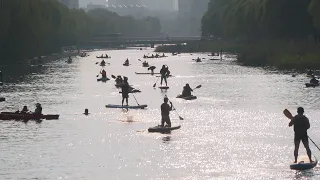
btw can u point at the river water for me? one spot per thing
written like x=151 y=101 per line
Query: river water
x=234 y=130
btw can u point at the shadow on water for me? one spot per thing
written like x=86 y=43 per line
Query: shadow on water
x=166 y=139
x=306 y=174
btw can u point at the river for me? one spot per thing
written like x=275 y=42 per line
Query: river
x=234 y=130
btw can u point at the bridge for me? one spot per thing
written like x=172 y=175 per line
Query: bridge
x=117 y=41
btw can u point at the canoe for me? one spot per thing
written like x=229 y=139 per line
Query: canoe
x=2 y=99
x=164 y=87
x=311 y=85
x=187 y=97
x=162 y=129
x=145 y=73
x=145 y=65
x=103 y=79
x=126 y=64
x=304 y=163
x=26 y=116
x=126 y=107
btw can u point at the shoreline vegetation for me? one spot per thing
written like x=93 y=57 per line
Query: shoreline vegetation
x=284 y=34
x=31 y=28
x=278 y=54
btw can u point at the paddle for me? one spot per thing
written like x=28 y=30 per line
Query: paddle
x=135 y=99
x=113 y=76
x=197 y=87
x=154 y=85
x=181 y=118
x=139 y=60
x=288 y=114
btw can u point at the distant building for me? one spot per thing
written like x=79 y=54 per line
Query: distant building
x=95 y=6
x=127 y=7
x=72 y=4
x=160 y=5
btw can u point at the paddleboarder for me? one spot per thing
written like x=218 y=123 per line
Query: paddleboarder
x=165 y=111
x=163 y=72
x=103 y=73
x=86 y=112
x=300 y=126
x=125 y=88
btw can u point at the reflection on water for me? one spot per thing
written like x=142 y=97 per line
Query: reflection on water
x=235 y=128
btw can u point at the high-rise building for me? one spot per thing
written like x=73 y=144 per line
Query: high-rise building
x=72 y=4
x=160 y=5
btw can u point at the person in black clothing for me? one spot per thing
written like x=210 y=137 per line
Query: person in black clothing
x=38 y=109
x=310 y=72
x=163 y=72
x=186 y=91
x=165 y=111
x=125 y=88
x=300 y=125
x=314 y=80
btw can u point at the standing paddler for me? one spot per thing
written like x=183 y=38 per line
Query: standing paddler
x=300 y=126
x=165 y=111
x=164 y=72
x=125 y=88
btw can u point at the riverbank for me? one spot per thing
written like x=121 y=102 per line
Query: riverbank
x=279 y=54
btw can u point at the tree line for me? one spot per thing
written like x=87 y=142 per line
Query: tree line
x=274 y=32
x=35 y=27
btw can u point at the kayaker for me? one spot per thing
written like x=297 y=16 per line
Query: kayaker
x=125 y=88
x=152 y=68
x=168 y=72
x=186 y=91
x=163 y=73
x=69 y=59
x=127 y=61
x=38 y=109
x=103 y=73
x=163 y=55
x=103 y=62
x=314 y=80
x=144 y=56
x=86 y=112
x=24 y=109
x=165 y=111
x=107 y=56
x=300 y=125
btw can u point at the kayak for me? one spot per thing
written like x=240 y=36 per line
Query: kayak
x=164 y=87
x=25 y=116
x=126 y=64
x=103 y=57
x=311 y=85
x=145 y=65
x=102 y=64
x=145 y=73
x=126 y=107
x=304 y=163
x=162 y=129
x=187 y=97
x=103 y=79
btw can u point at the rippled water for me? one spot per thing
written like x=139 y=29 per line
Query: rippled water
x=234 y=130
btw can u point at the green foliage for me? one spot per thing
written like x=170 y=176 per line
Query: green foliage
x=35 y=27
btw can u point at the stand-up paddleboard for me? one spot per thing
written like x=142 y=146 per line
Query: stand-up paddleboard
x=303 y=163
x=164 y=87
x=162 y=129
x=103 y=79
x=126 y=107
x=187 y=97
x=311 y=85
x=145 y=73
